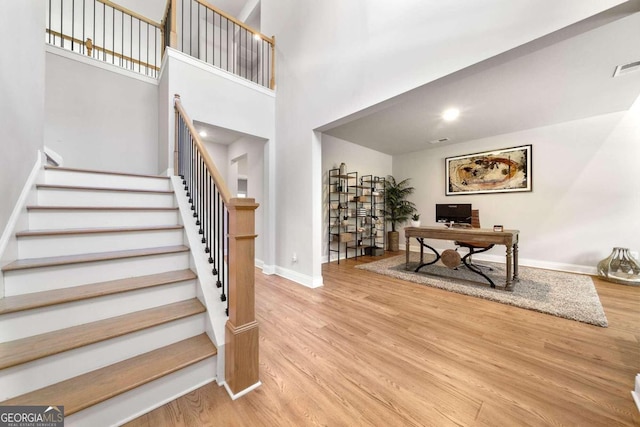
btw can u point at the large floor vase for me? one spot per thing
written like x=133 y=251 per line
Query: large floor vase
x=620 y=267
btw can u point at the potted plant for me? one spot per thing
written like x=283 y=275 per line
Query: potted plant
x=415 y=220
x=397 y=209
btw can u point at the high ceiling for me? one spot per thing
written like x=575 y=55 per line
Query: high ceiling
x=561 y=77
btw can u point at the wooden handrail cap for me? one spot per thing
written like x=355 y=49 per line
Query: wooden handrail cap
x=242 y=203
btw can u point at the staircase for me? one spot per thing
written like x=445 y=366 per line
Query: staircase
x=100 y=312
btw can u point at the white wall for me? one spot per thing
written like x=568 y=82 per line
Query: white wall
x=223 y=157
x=335 y=58
x=358 y=159
x=22 y=67
x=219 y=155
x=253 y=149
x=98 y=116
x=221 y=99
x=585 y=197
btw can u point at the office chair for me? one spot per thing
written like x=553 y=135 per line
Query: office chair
x=474 y=247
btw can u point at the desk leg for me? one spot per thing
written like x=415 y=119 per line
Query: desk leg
x=515 y=262
x=509 y=283
x=406 y=264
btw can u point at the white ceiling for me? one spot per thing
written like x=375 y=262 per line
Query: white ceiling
x=216 y=134
x=561 y=77
x=564 y=76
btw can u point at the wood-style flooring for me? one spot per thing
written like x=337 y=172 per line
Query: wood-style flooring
x=370 y=350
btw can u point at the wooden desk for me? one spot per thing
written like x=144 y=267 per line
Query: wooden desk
x=509 y=238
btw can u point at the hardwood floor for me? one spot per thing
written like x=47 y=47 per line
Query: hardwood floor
x=370 y=350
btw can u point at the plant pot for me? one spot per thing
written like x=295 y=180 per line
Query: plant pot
x=415 y=223
x=393 y=241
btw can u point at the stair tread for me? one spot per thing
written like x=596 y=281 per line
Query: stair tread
x=25 y=350
x=94 y=188
x=30 y=301
x=102 y=208
x=23 y=264
x=95 y=230
x=97 y=386
x=66 y=169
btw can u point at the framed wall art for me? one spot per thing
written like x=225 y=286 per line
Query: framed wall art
x=506 y=170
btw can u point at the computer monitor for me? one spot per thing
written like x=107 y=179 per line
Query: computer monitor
x=459 y=213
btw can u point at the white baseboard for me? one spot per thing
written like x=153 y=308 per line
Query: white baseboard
x=243 y=392
x=636 y=392
x=303 y=279
x=268 y=269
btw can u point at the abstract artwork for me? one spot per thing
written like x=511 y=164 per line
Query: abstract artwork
x=500 y=171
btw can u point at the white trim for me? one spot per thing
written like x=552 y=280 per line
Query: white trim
x=636 y=392
x=268 y=269
x=98 y=63
x=199 y=263
x=18 y=217
x=170 y=52
x=302 y=279
x=259 y=263
x=243 y=392
x=57 y=158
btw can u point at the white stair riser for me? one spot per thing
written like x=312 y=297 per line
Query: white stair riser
x=48 y=278
x=61 y=219
x=57 y=177
x=58 y=197
x=47 y=319
x=128 y=406
x=40 y=373
x=74 y=244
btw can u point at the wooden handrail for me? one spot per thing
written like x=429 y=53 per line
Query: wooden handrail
x=130 y=12
x=128 y=58
x=215 y=174
x=90 y=46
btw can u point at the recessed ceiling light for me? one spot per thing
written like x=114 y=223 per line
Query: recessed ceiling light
x=438 y=141
x=202 y=133
x=450 y=114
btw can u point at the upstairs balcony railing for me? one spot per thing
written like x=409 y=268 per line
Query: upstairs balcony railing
x=106 y=31
x=198 y=29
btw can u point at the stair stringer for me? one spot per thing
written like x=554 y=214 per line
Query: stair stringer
x=206 y=289
x=19 y=219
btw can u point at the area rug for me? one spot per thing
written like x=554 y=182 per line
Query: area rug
x=571 y=296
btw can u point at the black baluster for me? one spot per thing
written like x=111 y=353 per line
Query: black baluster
x=218 y=252
x=210 y=192
x=223 y=296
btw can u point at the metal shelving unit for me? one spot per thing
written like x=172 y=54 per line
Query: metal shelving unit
x=355 y=214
